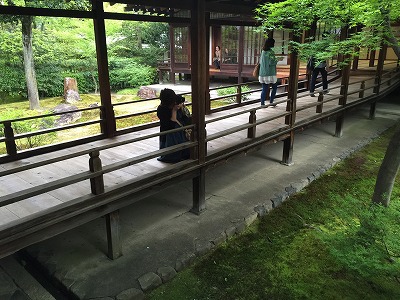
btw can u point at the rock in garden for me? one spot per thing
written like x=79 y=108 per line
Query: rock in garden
x=71 y=93
x=146 y=93
x=67 y=117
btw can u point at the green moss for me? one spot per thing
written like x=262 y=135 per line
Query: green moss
x=326 y=242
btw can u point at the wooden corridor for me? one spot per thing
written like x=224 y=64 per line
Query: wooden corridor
x=45 y=195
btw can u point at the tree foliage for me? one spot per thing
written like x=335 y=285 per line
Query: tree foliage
x=367 y=20
x=65 y=47
x=369 y=24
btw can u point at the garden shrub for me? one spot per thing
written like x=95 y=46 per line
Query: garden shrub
x=125 y=73
x=25 y=126
x=233 y=90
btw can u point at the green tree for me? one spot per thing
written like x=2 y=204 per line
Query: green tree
x=27 y=35
x=374 y=18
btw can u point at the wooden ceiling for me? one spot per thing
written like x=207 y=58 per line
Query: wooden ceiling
x=232 y=10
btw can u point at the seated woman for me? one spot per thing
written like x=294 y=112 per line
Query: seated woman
x=171 y=115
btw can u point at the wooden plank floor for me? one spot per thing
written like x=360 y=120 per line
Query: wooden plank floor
x=26 y=179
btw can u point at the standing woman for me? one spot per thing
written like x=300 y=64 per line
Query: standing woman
x=267 y=73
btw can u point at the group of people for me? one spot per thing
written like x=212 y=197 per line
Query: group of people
x=268 y=74
x=173 y=113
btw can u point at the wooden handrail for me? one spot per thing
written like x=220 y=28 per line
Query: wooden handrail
x=53 y=185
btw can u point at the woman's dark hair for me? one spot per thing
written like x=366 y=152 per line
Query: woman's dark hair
x=167 y=97
x=269 y=43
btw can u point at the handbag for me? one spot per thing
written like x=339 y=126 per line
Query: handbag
x=256 y=70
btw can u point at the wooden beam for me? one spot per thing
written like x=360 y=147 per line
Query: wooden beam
x=107 y=112
x=113 y=235
x=344 y=87
x=45 y=12
x=291 y=105
x=200 y=87
x=157 y=3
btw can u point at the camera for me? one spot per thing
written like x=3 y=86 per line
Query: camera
x=179 y=99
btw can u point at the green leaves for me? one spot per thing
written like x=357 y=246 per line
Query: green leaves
x=368 y=15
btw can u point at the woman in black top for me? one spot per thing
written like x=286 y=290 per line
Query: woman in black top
x=171 y=116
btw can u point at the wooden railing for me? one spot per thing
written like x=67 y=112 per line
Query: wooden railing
x=99 y=201
x=10 y=137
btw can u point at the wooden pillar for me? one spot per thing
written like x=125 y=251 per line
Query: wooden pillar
x=113 y=235
x=372 y=54
x=112 y=219
x=309 y=36
x=200 y=88
x=11 y=147
x=291 y=105
x=251 y=131
x=172 y=54
x=96 y=183
x=378 y=78
x=199 y=192
x=240 y=57
x=208 y=97
x=108 y=127
x=379 y=67
x=344 y=88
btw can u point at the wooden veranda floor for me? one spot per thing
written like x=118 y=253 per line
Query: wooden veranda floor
x=224 y=135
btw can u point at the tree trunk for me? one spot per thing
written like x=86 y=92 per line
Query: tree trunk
x=29 y=66
x=388 y=171
x=391 y=162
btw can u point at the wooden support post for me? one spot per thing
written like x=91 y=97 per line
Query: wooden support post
x=372 y=110
x=199 y=192
x=251 y=132
x=291 y=105
x=200 y=87
x=239 y=94
x=11 y=147
x=362 y=90
x=288 y=150
x=344 y=88
x=339 y=125
x=241 y=55
x=108 y=126
x=96 y=183
x=112 y=219
x=318 y=109
x=355 y=61
x=113 y=235
x=379 y=68
x=372 y=54
x=172 y=54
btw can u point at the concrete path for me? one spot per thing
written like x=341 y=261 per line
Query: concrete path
x=159 y=234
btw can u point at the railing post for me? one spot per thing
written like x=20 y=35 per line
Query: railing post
x=96 y=183
x=199 y=192
x=379 y=68
x=10 y=140
x=113 y=235
x=112 y=219
x=239 y=94
x=318 y=109
x=372 y=110
x=251 y=131
x=344 y=88
x=362 y=89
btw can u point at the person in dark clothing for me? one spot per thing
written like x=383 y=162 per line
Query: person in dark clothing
x=171 y=115
x=315 y=70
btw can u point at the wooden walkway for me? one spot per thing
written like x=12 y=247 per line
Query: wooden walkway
x=225 y=137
